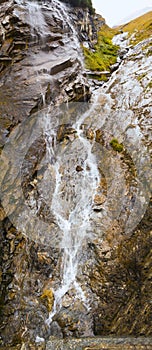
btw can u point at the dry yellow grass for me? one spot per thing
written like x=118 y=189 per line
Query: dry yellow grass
x=141 y=27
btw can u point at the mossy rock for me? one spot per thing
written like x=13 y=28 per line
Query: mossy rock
x=116 y=145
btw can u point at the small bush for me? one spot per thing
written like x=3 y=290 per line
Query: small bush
x=116 y=145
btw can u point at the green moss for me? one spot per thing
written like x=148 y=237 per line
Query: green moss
x=101 y=78
x=116 y=145
x=149 y=85
x=141 y=76
x=149 y=52
x=104 y=53
x=147 y=46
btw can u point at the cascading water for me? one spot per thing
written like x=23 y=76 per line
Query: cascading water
x=74 y=223
x=71 y=213
x=63 y=15
x=36 y=18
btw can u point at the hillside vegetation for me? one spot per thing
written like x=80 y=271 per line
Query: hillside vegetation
x=141 y=27
x=104 y=53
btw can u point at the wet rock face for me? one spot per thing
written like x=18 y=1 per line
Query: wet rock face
x=120 y=278
x=111 y=293
x=99 y=344
x=38 y=61
x=39 y=48
x=86 y=25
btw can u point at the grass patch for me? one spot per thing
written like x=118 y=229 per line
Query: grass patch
x=104 y=53
x=141 y=76
x=149 y=52
x=116 y=145
x=141 y=27
x=149 y=85
x=102 y=77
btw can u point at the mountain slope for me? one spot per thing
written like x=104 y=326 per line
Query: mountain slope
x=134 y=15
x=104 y=53
x=140 y=28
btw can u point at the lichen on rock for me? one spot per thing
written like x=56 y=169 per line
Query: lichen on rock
x=48 y=296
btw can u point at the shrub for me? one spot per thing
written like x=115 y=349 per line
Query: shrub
x=116 y=145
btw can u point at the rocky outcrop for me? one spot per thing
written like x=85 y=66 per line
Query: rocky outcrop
x=44 y=141
x=86 y=25
x=42 y=59
x=99 y=344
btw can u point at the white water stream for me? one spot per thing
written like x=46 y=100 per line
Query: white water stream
x=75 y=226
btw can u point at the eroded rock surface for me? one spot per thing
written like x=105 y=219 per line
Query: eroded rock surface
x=38 y=59
x=111 y=291
x=99 y=344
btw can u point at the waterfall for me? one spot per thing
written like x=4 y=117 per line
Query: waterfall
x=71 y=211
x=75 y=180
x=36 y=18
x=75 y=226
x=63 y=15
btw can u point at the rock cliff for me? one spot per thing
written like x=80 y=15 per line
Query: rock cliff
x=73 y=172
x=39 y=47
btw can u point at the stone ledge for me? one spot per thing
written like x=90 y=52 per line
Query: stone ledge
x=106 y=343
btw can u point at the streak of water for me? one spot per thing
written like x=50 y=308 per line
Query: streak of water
x=73 y=224
x=63 y=14
x=36 y=18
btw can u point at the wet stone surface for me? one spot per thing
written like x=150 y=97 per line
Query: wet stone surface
x=51 y=148
x=101 y=343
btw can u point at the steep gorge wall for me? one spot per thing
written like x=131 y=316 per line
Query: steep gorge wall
x=40 y=65
x=32 y=65
x=115 y=264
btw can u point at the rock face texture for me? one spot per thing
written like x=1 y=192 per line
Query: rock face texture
x=75 y=185
x=39 y=47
